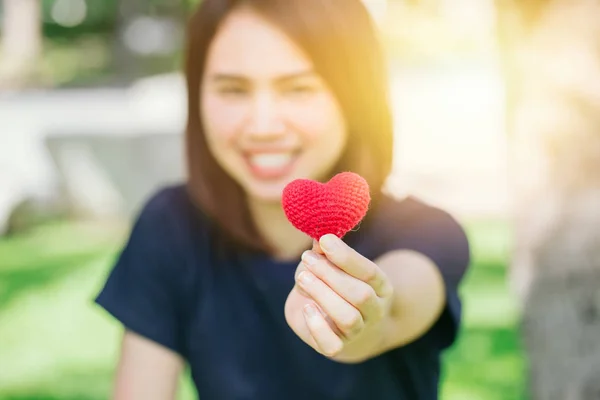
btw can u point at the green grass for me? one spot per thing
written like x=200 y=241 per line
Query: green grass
x=487 y=362
x=56 y=344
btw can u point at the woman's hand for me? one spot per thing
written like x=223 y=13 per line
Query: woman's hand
x=340 y=303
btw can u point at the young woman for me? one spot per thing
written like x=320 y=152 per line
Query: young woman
x=215 y=277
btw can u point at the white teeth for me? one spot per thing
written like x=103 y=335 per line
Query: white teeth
x=273 y=160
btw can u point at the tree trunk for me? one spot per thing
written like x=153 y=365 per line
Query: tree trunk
x=553 y=65
x=21 y=41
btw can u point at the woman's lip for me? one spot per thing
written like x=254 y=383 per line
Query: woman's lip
x=252 y=152
x=271 y=165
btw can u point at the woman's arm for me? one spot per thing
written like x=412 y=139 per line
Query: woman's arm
x=146 y=370
x=419 y=297
x=351 y=309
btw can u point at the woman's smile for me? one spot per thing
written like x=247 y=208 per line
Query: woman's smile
x=272 y=164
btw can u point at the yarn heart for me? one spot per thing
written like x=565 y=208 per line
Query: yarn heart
x=320 y=208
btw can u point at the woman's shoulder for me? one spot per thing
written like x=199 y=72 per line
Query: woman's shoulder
x=401 y=213
x=154 y=276
x=165 y=239
x=170 y=224
x=412 y=223
x=167 y=200
x=171 y=207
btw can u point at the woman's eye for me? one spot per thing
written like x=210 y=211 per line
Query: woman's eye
x=232 y=91
x=301 y=90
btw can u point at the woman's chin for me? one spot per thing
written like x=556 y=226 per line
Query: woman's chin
x=266 y=193
x=270 y=189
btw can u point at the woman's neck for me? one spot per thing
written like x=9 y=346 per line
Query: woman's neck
x=270 y=220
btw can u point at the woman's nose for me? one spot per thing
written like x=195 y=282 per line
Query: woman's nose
x=265 y=120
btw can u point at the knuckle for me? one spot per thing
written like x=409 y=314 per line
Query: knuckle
x=371 y=273
x=387 y=289
x=364 y=295
x=351 y=322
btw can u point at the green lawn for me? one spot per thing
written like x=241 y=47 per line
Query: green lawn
x=487 y=363
x=55 y=344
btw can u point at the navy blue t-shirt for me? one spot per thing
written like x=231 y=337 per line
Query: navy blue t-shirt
x=225 y=315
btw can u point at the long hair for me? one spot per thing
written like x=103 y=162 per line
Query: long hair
x=341 y=40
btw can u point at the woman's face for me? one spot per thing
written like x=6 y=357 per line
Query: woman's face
x=268 y=117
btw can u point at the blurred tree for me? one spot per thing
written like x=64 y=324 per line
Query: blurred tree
x=70 y=19
x=148 y=35
x=125 y=62
x=552 y=61
x=21 y=41
x=191 y=4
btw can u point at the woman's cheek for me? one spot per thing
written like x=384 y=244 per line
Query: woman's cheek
x=223 y=119
x=315 y=125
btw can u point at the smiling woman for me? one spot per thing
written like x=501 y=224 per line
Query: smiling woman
x=214 y=274
x=264 y=69
x=259 y=94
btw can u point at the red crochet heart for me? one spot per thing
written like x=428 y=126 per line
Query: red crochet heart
x=320 y=208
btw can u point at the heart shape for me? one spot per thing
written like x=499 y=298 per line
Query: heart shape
x=320 y=208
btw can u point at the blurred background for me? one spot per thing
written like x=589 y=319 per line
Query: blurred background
x=497 y=109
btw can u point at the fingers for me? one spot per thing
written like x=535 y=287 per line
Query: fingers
x=357 y=293
x=317 y=247
x=326 y=341
x=302 y=266
x=346 y=318
x=355 y=264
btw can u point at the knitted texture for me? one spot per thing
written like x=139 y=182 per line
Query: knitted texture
x=320 y=208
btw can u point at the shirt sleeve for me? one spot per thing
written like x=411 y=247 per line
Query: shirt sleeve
x=437 y=235
x=142 y=290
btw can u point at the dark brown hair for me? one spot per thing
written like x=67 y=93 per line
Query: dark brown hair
x=341 y=40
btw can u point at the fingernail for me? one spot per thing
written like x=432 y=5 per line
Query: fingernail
x=306 y=277
x=310 y=310
x=329 y=242
x=309 y=258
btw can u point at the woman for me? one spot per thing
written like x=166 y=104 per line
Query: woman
x=215 y=277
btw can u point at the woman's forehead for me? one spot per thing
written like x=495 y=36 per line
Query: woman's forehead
x=247 y=44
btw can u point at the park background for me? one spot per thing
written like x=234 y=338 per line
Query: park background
x=92 y=111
